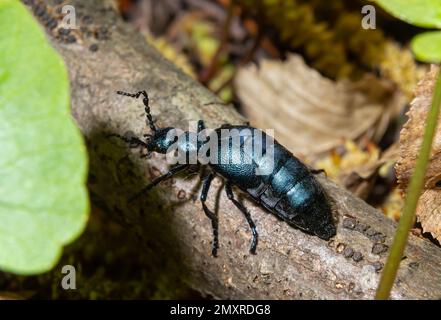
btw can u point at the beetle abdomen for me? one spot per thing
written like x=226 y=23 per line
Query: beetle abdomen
x=307 y=207
x=292 y=193
x=288 y=189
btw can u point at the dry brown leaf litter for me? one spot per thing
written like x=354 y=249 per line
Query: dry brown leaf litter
x=310 y=113
x=429 y=205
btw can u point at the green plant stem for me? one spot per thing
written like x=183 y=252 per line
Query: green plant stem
x=413 y=194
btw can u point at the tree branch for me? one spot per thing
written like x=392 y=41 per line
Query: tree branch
x=170 y=222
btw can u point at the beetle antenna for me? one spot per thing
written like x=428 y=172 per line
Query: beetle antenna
x=145 y=100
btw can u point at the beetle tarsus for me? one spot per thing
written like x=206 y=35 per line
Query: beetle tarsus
x=134 y=142
x=173 y=171
x=211 y=215
x=247 y=215
x=318 y=171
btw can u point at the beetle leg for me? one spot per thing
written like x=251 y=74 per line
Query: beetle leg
x=241 y=207
x=318 y=171
x=173 y=171
x=133 y=141
x=226 y=126
x=212 y=216
x=201 y=126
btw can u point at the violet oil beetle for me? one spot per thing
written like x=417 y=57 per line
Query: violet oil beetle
x=288 y=190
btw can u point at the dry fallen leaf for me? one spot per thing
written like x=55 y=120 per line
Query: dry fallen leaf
x=356 y=168
x=429 y=205
x=429 y=213
x=393 y=204
x=310 y=113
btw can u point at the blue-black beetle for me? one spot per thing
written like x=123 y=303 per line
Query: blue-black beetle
x=289 y=191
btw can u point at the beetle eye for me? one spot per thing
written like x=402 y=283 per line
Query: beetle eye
x=148 y=137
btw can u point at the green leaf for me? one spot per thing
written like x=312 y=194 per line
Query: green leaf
x=427 y=46
x=43 y=161
x=422 y=13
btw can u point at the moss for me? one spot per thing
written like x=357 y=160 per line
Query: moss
x=330 y=37
x=108 y=265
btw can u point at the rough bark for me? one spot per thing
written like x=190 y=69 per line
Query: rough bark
x=171 y=225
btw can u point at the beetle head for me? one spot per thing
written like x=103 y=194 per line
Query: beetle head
x=161 y=140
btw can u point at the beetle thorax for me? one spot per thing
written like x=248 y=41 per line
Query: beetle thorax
x=188 y=143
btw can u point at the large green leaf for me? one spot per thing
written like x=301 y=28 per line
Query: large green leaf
x=427 y=46
x=422 y=13
x=43 y=161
